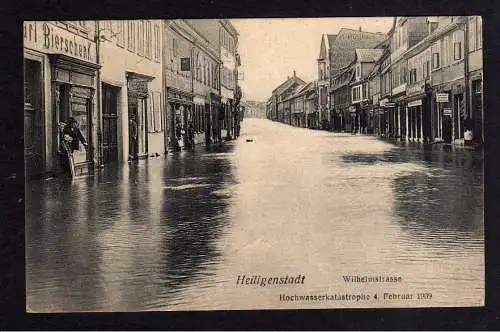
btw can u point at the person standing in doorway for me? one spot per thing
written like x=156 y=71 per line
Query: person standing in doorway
x=133 y=133
x=71 y=138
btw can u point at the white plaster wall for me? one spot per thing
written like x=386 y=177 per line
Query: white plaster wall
x=116 y=61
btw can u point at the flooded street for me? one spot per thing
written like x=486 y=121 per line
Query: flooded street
x=176 y=232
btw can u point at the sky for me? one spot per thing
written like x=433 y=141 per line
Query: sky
x=271 y=49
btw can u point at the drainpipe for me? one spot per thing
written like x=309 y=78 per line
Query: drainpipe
x=98 y=92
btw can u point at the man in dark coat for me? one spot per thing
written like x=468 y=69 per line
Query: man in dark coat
x=71 y=129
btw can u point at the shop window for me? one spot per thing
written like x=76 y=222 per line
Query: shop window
x=435 y=60
x=457 y=51
x=365 y=92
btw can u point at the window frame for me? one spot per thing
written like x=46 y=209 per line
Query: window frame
x=435 y=61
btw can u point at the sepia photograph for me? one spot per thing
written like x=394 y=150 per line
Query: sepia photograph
x=251 y=163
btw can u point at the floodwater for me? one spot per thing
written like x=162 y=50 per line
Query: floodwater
x=176 y=232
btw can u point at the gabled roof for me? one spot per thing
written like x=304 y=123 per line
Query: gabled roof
x=347 y=40
x=368 y=55
x=303 y=89
x=322 y=49
x=285 y=85
x=331 y=39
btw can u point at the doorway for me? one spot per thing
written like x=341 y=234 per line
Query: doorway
x=109 y=124
x=33 y=119
x=458 y=116
x=447 y=127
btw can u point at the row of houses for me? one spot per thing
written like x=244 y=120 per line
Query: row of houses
x=422 y=81
x=134 y=87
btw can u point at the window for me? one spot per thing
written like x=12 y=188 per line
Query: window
x=358 y=71
x=148 y=39
x=365 y=92
x=120 y=33
x=157 y=116
x=479 y=32
x=131 y=36
x=198 y=68
x=457 y=51
x=413 y=75
x=425 y=69
x=150 y=110
x=435 y=60
x=157 y=42
x=175 y=49
x=356 y=93
x=140 y=38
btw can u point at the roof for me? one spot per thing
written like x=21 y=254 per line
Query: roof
x=347 y=40
x=368 y=55
x=302 y=90
x=283 y=86
x=331 y=39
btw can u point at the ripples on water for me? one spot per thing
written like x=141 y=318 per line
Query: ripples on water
x=174 y=233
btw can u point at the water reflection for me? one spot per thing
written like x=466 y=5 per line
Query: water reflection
x=194 y=220
x=441 y=203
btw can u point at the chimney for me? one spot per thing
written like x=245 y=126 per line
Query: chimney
x=294 y=74
x=359 y=28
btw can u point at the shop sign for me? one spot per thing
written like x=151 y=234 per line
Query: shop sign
x=415 y=89
x=137 y=86
x=399 y=89
x=383 y=102
x=390 y=105
x=415 y=103
x=442 y=97
x=375 y=99
x=48 y=38
x=447 y=111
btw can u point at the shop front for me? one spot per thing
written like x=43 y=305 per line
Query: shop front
x=138 y=103
x=59 y=84
x=180 y=107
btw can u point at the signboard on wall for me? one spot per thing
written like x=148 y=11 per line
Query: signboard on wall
x=49 y=38
x=447 y=111
x=441 y=97
x=415 y=103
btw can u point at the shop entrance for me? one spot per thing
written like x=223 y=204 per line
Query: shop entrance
x=109 y=123
x=75 y=102
x=33 y=119
x=137 y=106
x=458 y=116
x=447 y=126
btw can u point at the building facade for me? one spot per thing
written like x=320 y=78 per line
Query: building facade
x=224 y=38
x=131 y=88
x=60 y=81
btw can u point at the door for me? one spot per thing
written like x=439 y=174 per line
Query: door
x=447 y=128
x=141 y=126
x=109 y=124
x=33 y=119
x=132 y=128
x=458 y=116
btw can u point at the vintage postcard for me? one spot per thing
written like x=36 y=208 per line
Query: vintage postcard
x=235 y=164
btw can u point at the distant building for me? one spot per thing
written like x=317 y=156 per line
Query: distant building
x=278 y=109
x=337 y=52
